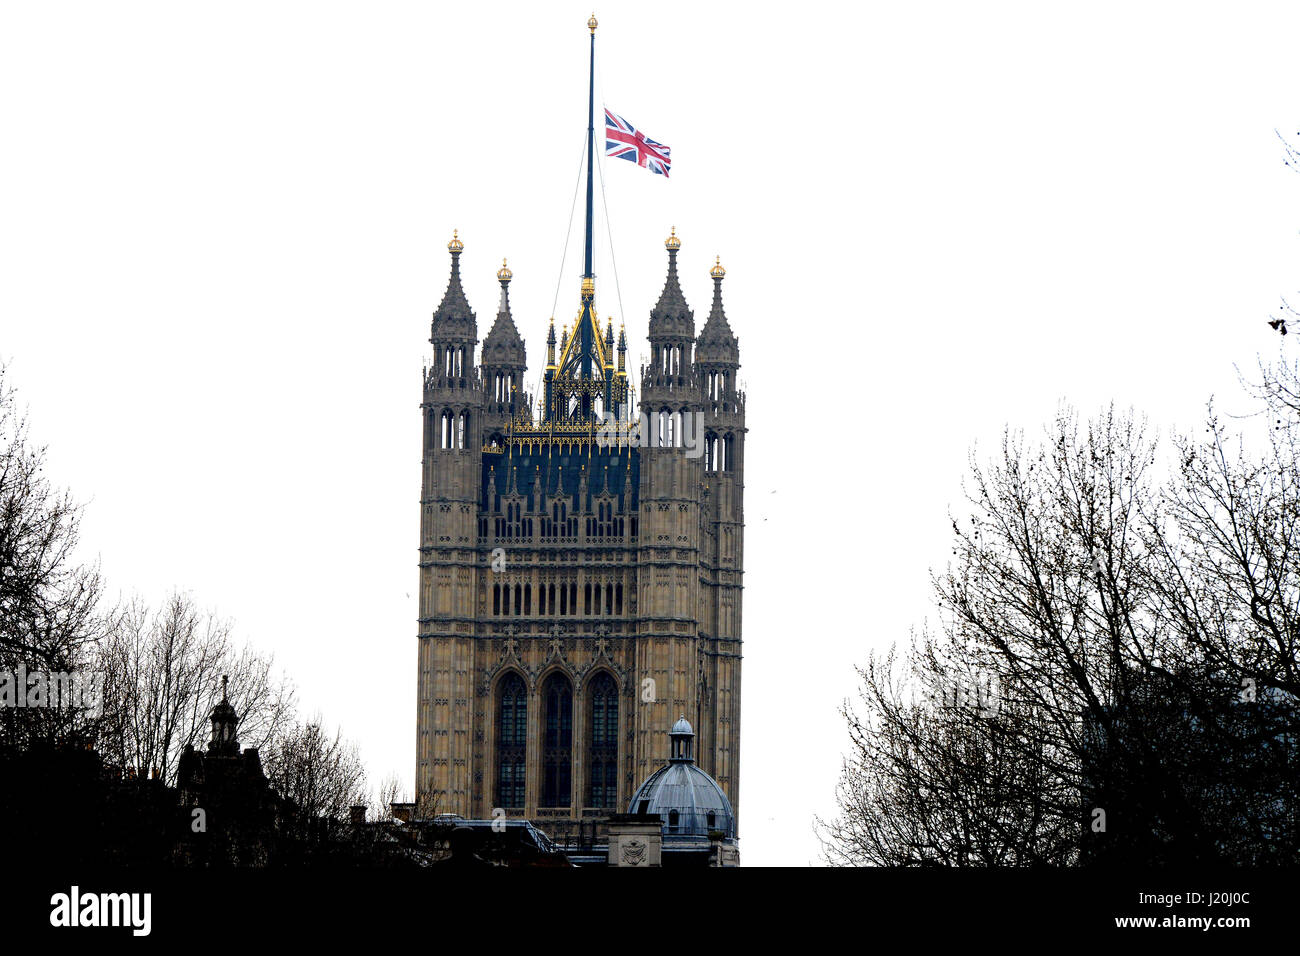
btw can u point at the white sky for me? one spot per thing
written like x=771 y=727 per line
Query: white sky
x=223 y=230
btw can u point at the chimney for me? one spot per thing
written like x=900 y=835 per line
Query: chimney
x=358 y=815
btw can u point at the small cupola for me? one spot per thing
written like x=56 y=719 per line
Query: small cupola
x=682 y=748
x=224 y=724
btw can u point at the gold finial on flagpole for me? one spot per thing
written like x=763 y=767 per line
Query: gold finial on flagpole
x=591 y=23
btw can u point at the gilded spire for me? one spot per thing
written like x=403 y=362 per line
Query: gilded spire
x=717 y=343
x=454 y=318
x=671 y=315
x=504 y=346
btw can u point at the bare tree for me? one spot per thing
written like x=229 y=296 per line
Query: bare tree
x=390 y=792
x=1231 y=549
x=940 y=778
x=163 y=674
x=48 y=601
x=1111 y=622
x=322 y=775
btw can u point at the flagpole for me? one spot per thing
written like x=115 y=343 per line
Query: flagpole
x=591 y=141
x=588 y=320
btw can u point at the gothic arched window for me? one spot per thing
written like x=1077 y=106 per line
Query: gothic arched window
x=446 y=440
x=512 y=742
x=602 y=742
x=557 y=742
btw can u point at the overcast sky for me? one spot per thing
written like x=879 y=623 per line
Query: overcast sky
x=223 y=230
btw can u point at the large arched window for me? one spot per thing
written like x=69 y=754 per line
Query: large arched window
x=557 y=742
x=512 y=742
x=602 y=742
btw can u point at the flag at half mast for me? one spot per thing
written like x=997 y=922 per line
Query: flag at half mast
x=625 y=141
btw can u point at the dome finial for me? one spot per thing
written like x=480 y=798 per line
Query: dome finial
x=717 y=271
x=672 y=243
x=504 y=273
x=455 y=245
x=591 y=24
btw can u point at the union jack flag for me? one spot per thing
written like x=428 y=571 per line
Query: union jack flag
x=625 y=141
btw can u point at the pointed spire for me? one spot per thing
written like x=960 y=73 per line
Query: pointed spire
x=717 y=343
x=453 y=317
x=503 y=346
x=671 y=315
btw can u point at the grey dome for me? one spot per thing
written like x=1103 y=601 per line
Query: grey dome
x=688 y=801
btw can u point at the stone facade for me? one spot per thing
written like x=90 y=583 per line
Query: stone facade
x=635 y=841
x=576 y=592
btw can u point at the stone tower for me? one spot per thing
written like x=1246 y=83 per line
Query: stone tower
x=580 y=563
x=580 y=569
